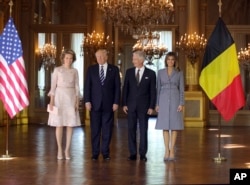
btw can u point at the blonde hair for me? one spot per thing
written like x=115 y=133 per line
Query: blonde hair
x=102 y=50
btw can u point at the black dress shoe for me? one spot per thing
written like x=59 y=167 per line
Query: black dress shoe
x=94 y=158
x=106 y=158
x=143 y=158
x=132 y=158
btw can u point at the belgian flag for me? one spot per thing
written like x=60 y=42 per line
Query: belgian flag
x=220 y=74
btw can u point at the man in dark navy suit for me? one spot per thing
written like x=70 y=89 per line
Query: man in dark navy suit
x=102 y=97
x=139 y=98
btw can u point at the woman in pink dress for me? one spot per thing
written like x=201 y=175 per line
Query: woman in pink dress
x=64 y=95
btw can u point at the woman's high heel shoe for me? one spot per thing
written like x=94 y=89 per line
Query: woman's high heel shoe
x=67 y=156
x=59 y=156
x=166 y=157
x=171 y=159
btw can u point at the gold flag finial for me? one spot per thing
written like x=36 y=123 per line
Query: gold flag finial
x=219 y=4
x=11 y=4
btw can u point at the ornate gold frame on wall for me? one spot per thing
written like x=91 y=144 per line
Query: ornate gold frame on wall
x=195 y=109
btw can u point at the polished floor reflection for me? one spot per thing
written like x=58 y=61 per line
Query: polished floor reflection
x=34 y=162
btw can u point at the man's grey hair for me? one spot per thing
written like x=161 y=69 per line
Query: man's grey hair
x=140 y=54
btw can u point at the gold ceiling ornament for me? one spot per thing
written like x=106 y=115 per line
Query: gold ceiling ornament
x=244 y=57
x=136 y=16
x=94 y=41
x=192 y=45
x=149 y=43
x=47 y=55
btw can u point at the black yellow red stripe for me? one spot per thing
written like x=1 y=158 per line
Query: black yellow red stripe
x=220 y=74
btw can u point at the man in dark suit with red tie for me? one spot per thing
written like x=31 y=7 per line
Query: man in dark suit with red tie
x=138 y=99
x=101 y=98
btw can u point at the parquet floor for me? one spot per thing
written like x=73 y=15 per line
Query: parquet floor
x=33 y=151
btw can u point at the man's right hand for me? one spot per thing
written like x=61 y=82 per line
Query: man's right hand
x=125 y=109
x=88 y=106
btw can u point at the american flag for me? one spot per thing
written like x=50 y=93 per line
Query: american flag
x=13 y=84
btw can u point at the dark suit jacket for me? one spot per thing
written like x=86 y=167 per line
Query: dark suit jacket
x=143 y=96
x=102 y=97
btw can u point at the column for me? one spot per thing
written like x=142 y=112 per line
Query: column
x=192 y=71
x=98 y=22
x=195 y=111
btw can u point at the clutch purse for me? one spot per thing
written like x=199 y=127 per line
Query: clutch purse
x=54 y=111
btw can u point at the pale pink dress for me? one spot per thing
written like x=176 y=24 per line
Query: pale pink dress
x=65 y=88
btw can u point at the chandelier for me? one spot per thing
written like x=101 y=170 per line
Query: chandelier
x=192 y=45
x=136 y=16
x=244 y=57
x=94 y=41
x=47 y=55
x=149 y=43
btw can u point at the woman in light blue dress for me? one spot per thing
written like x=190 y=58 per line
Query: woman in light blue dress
x=169 y=105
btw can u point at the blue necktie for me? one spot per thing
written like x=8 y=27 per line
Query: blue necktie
x=102 y=75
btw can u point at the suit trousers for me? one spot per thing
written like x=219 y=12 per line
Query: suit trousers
x=101 y=124
x=136 y=119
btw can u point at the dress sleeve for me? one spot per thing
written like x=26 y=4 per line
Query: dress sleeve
x=181 y=88
x=158 y=89
x=53 y=82
x=77 y=88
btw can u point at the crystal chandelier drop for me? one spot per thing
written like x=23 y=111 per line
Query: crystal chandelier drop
x=94 y=41
x=192 y=45
x=136 y=16
x=149 y=43
x=47 y=55
x=244 y=57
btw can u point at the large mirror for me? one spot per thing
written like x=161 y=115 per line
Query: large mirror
x=48 y=47
x=48 y=57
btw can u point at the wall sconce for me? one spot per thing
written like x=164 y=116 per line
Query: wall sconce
x=47 y=56
x=192 y=45
x=244 y=57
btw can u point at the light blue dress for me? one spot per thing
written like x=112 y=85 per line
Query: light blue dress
x=170 y=94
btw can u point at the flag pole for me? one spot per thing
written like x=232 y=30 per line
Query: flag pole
x=11 y=4
x=6 y=155
x=219 y=4
x=219 y=158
